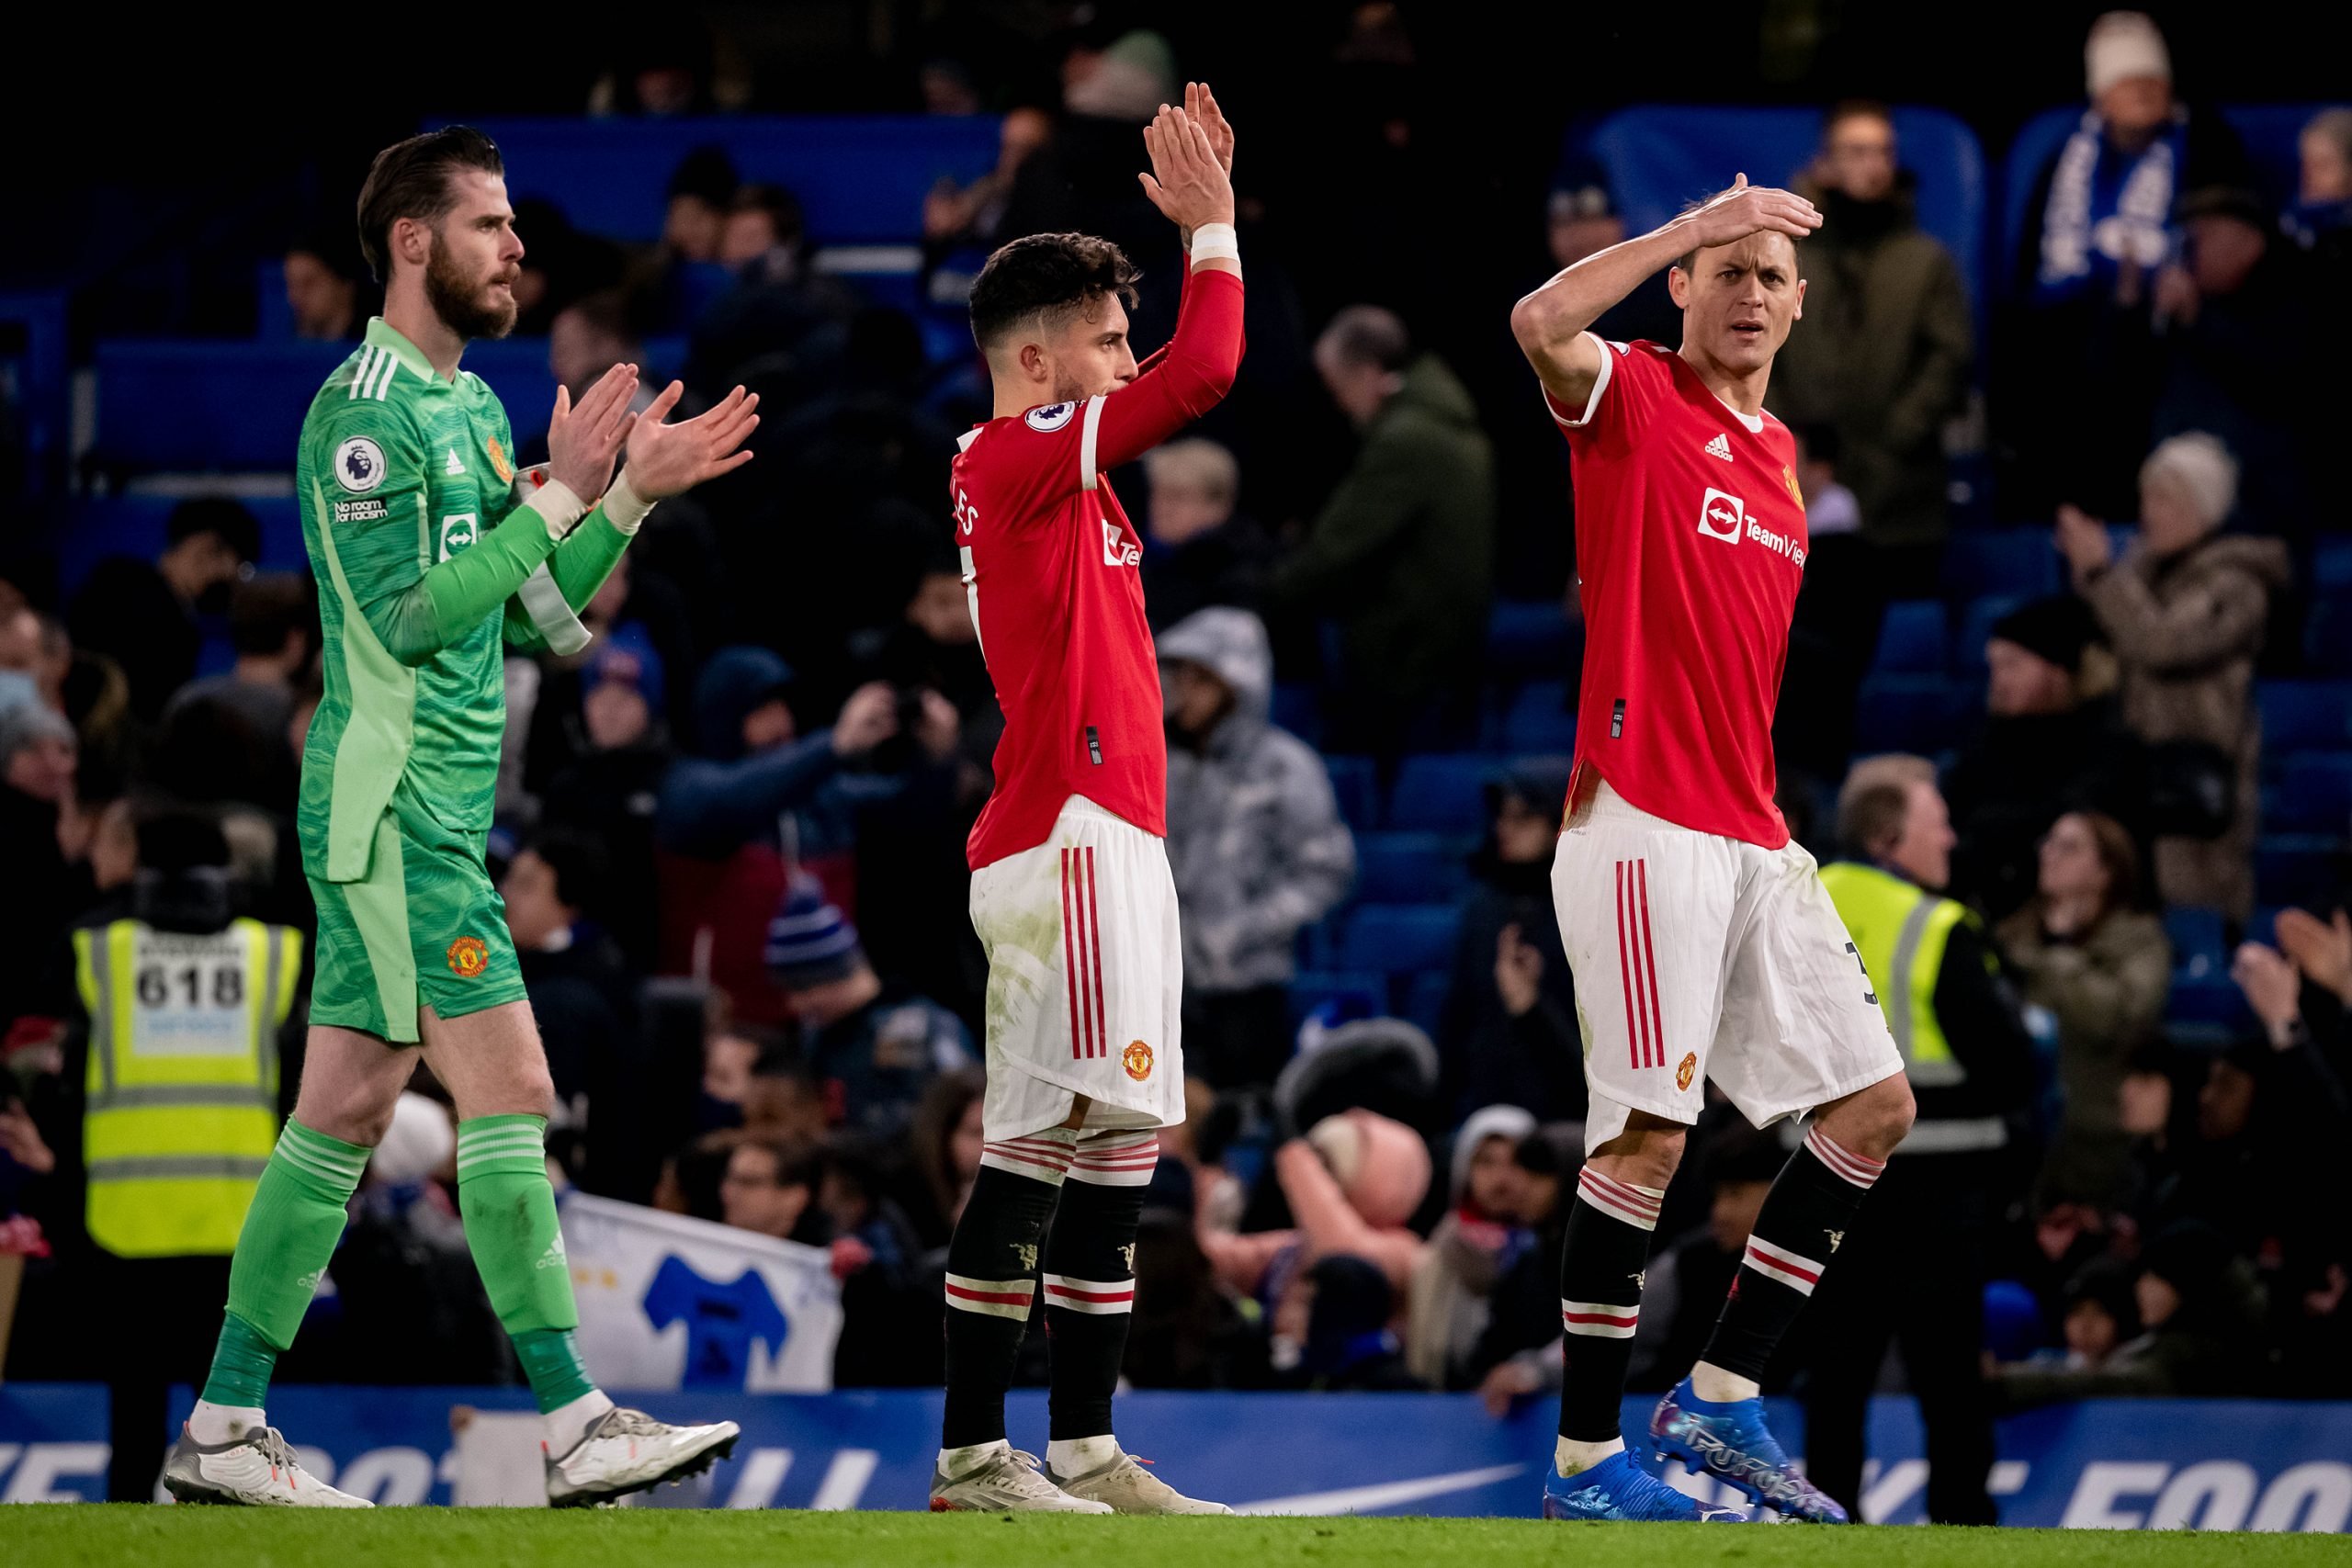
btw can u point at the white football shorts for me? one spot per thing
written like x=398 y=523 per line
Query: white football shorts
x=1700 y=958
x=1086 y=979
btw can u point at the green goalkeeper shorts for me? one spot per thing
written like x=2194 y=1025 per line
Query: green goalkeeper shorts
x=424 y=928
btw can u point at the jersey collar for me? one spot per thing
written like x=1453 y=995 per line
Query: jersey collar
x=381 y=335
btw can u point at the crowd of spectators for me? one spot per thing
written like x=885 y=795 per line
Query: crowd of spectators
x=731 y=831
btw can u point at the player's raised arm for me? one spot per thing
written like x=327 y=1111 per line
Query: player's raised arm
x=1189 y=185
x=1551 y=323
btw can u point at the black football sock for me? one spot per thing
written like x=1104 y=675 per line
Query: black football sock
x=1602 y=1260
x=1806 y=1215
x=992 y=1288
x=1090 y=1278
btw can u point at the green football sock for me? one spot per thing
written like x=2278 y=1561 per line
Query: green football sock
x=509 y=1210
x=290 y=1234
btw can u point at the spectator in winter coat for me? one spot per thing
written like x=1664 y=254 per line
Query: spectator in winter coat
x=1402 y=555
x=2186 y=610
x=1254 y=839
x=759 y=800
x=2201 y=1309
x=1479 y=1237
x=1509 y=1030
x=612 y=792
x=2082 y=949
x=1197 y=550
x=1884 y=351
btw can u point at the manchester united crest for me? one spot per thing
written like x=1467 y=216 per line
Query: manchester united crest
x=498 y=463
x=468 y=957
x=1689 y=1065
x=1137 y=1060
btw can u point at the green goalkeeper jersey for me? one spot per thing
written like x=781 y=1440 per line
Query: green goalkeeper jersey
x=401 y=474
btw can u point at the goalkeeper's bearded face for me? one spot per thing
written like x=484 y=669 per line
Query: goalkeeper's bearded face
x=471 y=275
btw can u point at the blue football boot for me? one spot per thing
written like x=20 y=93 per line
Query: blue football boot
x=1730 y=1442
x=1617 y=1488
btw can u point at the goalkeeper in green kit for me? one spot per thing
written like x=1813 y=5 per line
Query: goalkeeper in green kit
x=434 y=555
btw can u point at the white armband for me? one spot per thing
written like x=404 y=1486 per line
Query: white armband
x=1213 y=241
x=558 y=506
x=624 y=509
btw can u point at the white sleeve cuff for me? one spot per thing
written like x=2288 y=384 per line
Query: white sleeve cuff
x=558 y=506
x=623 y=508
x=1592 y=402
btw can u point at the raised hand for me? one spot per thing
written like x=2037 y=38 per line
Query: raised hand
x=1186 y=183
x=1201 y=104
x=1747 y=209
x=584 y=439
x=2321 y=949
x=669 y=459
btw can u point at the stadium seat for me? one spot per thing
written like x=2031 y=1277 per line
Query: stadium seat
x=1442 y=791
x=1904 y=713
x=2327 y=637
x=1366 y=989
x=1357 y=786
x=1296 y=709
x=2332 y=567
x=1528 y=639
x=2302 y=869
x=2013 y=563
x=1539 y=719
x=1424 y=1001
x=1975 y=629
x=860 y=179
x=1400 y=938
x=2210 y=1011
x=1911 y=639
x=2305 y=715
x=2315 y=793
x=2198 y=949
x=1409 y=868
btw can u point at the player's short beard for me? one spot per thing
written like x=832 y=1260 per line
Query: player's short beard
x=457 y=299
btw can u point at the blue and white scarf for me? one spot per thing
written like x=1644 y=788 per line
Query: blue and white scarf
x=2106 y=209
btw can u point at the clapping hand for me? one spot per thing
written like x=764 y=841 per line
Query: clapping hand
x=2321 y=949
x=669 y=459
x=1186 y=183
x=585 y=438
x=2082 y=539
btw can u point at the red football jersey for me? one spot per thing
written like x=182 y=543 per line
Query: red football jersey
x=1052 y=574
x=1691 y=544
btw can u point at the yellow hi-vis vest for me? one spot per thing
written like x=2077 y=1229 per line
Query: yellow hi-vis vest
x=182 y=1088
x=1900 y=931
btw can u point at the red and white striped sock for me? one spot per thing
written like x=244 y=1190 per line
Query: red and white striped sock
x=1804 y=1218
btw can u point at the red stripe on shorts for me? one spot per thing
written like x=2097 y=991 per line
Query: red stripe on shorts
x=1649 y=957
x=1069 y=962
x=1094 y=934
x=1625 y=974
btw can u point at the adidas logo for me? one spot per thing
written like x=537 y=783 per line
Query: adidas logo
x=553 y=1258
x=1719 y=448
x=454 y=467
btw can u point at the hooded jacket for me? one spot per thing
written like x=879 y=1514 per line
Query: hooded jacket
x=1882 y=356
x=1254 y=835
x=716 y=801
x=2186 y=629
x=1402 y=556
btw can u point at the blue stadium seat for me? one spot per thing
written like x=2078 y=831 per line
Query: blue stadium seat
x=1400 y=938
x=1911 y=639
x=1660 y=156
x=2199 y=951
x=860 y=179
x=2014 y=563
x=1539 y=719
x=133 y=526
x=2302 y=869
x=1357 y=786
x=2210 y=1011
x=1296 y=709
x=1528 y=639
x=1409 y=868
x=1905 y=713
x=1313 y=988
x=1425 y=998
x=2328 y=637
x=2315 y=793
x=2331 y=567
x=2305 y=715
x=2264 y=927
x=1442 y=791
x=1975 y=629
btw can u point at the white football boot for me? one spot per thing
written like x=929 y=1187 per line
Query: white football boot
x=625 y=1450
x=257 y=1470
x=1129 y=1488
x=1007 y=1482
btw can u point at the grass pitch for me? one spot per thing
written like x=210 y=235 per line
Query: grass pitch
x=119 y=1536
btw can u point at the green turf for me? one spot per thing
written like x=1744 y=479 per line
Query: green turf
x=116 y=1537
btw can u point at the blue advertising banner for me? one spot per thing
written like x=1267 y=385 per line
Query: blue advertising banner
x=2112 y=1464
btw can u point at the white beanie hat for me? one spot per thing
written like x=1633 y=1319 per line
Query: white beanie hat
x=2124 y=44
x=2201 y=468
